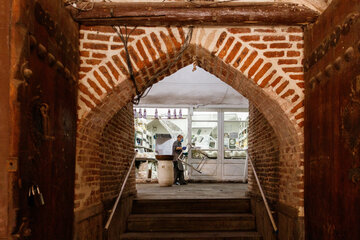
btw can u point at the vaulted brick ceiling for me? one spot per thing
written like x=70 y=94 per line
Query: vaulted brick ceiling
x=318 y=5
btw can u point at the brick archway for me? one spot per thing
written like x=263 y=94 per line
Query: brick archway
x=263 y=63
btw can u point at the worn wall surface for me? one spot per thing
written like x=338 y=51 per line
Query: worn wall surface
x=264 y=152
x=4 y=114
x=117 y=152
x=44 y=66
x=114 y=153
x=263 y=63
x=332 y=149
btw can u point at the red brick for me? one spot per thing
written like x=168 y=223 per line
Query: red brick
x=105 y=72
x=262 y=71
x=287 y=61
x=297 y=107
x=226 y=47
x=280 y=45
x=182 y=34
x=168 y=42
x=274 y=54
x=157 y=44
x=95 y=46
x=99 y=37
x=250 y=38
x=255 y=67
x=114 y=72
x=300 y=116
x=120 y=65
x=87 y=103
x=297 y=77
x=267 y=79
x=274 y=38
x=115 y=47
x=95 y=87
x=233 y=52
x=239 y=30
x=86 y=91
x=101 y=81
x=173 y=39
x=295 y=38
x=294 y=30
x=84 y=53
x=301 y=84
x=118 y=39
x=248 y=61
x=288 y=93
x=293 y=69
x=282 y=87
x=93 y=61
x=300 y=45
x=149 y=48
x=98 y=55
x=259 y=45
x=85 y=69
x=242 y=55
x=220 y=39
x=295 y=98
x=277 y=80
x=293 y=54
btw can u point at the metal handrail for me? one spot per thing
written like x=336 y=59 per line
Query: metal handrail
x=263 y=196
x=119 y=196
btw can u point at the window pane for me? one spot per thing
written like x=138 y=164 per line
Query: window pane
x=236 y=116
x=199 y=154
x=204 y=135
x=235 y=138
x=234 y=154
x=210 y=116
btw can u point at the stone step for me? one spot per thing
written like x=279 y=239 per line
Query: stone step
x=236 y=205
x=191 y=235
x=191 y=222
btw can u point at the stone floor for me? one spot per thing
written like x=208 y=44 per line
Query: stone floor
x=192 y=191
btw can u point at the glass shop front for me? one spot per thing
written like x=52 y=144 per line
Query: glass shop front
x=216 y=140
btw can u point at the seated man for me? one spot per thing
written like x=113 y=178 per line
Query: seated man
x=178 y=166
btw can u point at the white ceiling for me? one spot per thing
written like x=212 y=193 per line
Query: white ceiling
x=186 y=87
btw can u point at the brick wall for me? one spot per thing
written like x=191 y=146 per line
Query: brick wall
x=264 y=151
x=264 y=64
x=117 y=151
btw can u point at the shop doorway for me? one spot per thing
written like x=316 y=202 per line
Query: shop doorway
x=214 y=125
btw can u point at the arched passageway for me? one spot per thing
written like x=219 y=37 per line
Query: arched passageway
x=254 y=61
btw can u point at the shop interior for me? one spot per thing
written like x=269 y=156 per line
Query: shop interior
x=212 y=119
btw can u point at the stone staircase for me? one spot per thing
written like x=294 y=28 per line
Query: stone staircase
x=191 y=219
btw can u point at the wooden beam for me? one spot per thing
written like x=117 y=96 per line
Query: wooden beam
x=191 y=13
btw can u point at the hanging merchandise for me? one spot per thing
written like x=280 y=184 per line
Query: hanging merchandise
x=156 y=113
x=180 y=113
x=144 y=115
x=169 y=114
x=135 y=113
x=175 y=113
x=140 y=115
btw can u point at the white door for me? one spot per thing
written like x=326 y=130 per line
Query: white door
x=204 y=137
x=234 y=139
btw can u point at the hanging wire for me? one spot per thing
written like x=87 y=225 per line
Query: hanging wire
x=148 y=86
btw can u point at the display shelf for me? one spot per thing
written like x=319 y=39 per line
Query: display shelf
x=150 y=149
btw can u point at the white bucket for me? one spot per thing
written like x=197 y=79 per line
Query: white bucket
x=165 y=173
